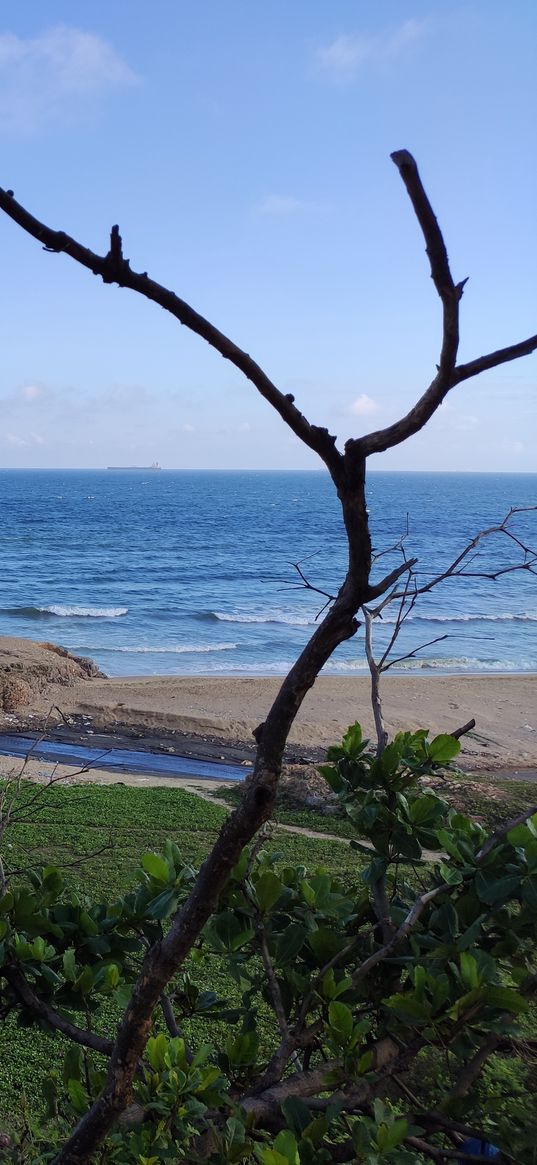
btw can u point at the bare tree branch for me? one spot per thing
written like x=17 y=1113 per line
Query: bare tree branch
x=26 y=996
x=402 y=931
x=448 y=374
x=501 y=833
x=494 y=359
x=437 y=1154
x=114 y=268
x=450 y=293
x=379 y=588
x=274 y=986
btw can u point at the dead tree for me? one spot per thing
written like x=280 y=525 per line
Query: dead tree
x=347 y=469
x=405 y=596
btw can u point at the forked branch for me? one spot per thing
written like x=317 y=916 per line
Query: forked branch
x=114 y=268
x=448 y=373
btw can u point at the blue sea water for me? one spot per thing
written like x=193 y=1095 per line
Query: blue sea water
x=190 y=573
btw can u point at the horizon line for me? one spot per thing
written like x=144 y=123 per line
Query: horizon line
x=211 y=469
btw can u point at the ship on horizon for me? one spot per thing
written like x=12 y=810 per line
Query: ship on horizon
x=138 y=468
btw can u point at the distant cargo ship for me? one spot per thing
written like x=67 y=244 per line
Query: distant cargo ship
x=138 y=468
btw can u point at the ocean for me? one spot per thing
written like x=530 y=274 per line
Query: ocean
x=192 y=573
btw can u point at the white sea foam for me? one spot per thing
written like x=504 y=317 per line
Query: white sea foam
x=266 y=617
x=83 y=612
x=183 y=649
x=458 y=663
x=504 y=617
x=294 y=620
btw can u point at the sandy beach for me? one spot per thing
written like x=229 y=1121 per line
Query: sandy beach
x=43 y=687
x=229 y=708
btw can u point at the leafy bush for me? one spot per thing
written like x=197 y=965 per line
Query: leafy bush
x=359 y=1016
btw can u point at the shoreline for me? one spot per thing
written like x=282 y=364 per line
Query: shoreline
x=218 y=714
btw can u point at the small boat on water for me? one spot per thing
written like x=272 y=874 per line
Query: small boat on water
x=138 y=468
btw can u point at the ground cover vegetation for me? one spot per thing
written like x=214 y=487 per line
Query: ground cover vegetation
x=488 y=798
x=118 y=823
x=388 y=997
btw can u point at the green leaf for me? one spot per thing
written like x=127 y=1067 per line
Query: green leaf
x=364 y=1063
x=470 y=936
x=72 y=1064
x=341 y=1022
x=285 y=1143
x=409 y=1009
x=469 y=971
x=506 y=999
x=88 y=924
x=77 y=1096
x=269 y=1156
x=69 y=965
x=242 y=1049
x=156 y=866
x=268 y=888
x=325 y=943
x=519 y=836
x=389 y=1136
x=38 y=949
x=332 y=777
x=163 y=905
x=229 y=932
x=443 y=749
x=52 y=881
x=491 y=889
x=289 y=943
x=297 y=1114
x=84 y=982
x=452 y=877
x=353 y=742
x=157 y=1046
x=529 y=892
x=6 y=902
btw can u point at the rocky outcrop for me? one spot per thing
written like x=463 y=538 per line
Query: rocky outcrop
x=28 y=669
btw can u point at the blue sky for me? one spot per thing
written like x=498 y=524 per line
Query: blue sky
x=244 y=150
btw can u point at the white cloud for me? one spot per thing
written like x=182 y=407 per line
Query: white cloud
x=187 y=428
x=344 y=57
x=54 y=73
x=364 y=406
x=37 y=439
x=282 y=204
x=31 y=391
x=14 y=439
x=244 y=427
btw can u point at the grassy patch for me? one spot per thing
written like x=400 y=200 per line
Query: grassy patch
x=74 y=822
x=492 y=800
x=286 y=814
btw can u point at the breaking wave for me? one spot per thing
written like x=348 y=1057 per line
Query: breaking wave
x=294 y=620
x=504 y=617
x=267 y=617
x=183 y=649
